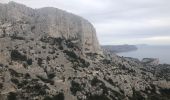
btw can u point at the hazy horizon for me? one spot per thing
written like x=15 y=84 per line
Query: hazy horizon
x=118 y=22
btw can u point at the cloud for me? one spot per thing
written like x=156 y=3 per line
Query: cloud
x=159 y=38
x=118 y=21
x=4 y=1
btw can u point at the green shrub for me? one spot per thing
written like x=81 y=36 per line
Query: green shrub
x=44 y=47
x=84 y=63
x=71 y=54
x=29 y=61
x=46 y=80
x=75 y=87
x=15 y=55
x=39 y=62
x=69 y=44
x=1 y=85
x=165 y=91
x=60 y=47
x=59 y=96
x=15 y=37
x=12 y=96
x=1 y=65
x=137 y=95
x=51 y=75
x=106 y=61
x=15 y=81
x=14 y=73
x=98 y=97
x=27 y=76
x=48 y=98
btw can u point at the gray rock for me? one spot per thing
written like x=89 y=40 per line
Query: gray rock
x=19 y=19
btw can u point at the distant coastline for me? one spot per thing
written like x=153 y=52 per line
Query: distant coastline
x=119 y=48
x=149 y=51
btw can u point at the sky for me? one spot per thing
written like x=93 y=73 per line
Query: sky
x=118 y=21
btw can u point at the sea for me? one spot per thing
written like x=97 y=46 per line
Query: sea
x=148 y=51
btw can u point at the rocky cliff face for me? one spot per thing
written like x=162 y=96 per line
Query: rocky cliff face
x=16 y=19
x=38 y=64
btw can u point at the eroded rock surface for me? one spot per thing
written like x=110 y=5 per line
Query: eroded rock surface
x=19 y=19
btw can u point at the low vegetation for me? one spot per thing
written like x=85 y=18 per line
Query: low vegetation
x=16 y=55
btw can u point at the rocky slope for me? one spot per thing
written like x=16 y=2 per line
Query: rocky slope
x=37 y=62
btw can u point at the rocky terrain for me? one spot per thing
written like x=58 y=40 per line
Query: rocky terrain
x=119 y=48
x=49 y=54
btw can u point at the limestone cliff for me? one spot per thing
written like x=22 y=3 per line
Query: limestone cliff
x=19 y=19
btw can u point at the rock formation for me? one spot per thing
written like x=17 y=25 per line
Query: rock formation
x=19 y=19
x=48 y=54
x=151 y=61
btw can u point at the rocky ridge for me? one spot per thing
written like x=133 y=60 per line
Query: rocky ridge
x=38 y=63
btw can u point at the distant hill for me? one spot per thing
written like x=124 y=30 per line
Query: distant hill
x=119 y=48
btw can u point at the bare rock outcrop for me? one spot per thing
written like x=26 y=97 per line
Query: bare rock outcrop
x=19 y=19
x=151 y=61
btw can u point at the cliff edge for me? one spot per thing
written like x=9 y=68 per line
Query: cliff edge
x=18 y=19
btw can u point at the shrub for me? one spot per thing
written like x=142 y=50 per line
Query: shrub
x=51 y=75
x=75 y=87
x=70 y=54
x=27 y=76
x=110 y=81
x=60 y=47
x=95 y=81
x=1 y=85
x=29 y=61
x=98 y=97
x=137 y=95
x=32 y=28
x=1 y=65
x=51 y=40
x=59 y=40
x=47 y=98
x=12 y=96
x=84 y=63
x=44 y=47
x=39 y=61
x=106 y=61
x=14 y=73
x=59 y=96
x=46 y=80
x=15 y=55
x=69 y=44
x=15 y=37
x=15 y=81
x=165 y=91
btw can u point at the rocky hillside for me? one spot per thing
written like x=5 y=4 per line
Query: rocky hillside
x=48 y=54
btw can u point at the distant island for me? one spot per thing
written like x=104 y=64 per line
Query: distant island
x=119 y=48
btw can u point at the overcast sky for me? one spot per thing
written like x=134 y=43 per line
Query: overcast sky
x=119 y=21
